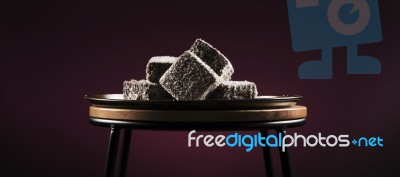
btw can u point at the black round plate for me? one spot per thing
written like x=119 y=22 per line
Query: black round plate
x=260 y=102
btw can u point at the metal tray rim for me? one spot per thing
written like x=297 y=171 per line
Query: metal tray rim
x=261 y=102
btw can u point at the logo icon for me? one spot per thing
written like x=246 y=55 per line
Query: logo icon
x=325 y=24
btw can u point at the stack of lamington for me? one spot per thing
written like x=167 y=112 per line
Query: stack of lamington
x=200 y=73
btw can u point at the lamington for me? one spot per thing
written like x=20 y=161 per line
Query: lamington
x=234 y=90
x=157 y=66
x=189 y=78
x=144 y=90
x=213 y=58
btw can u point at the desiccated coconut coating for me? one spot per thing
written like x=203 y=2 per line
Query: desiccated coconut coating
x=157 y=66
x=189 y=78
x=144 y=90
x=213 y=58
x=234 y=90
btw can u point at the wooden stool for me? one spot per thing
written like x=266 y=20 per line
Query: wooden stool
x=127 y=119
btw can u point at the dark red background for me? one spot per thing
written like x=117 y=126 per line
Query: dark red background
x=54 y=53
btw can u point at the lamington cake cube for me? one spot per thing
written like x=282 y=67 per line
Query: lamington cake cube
x=157 y=66
x=189 y=78
x=144 y=90
x=234 y=90
x=213 y=58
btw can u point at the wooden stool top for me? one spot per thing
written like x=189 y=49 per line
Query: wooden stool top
x=267 y=115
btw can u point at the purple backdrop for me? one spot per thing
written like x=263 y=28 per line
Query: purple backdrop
x=54 y=53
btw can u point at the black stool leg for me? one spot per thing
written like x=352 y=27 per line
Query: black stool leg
x=284 y=156
x=126 y=142
x=112 y=151
x=267 y=156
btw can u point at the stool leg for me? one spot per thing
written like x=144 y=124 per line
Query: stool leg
x=267 y=156
x=112 y=151
x=126 y=142
x=284 y=156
